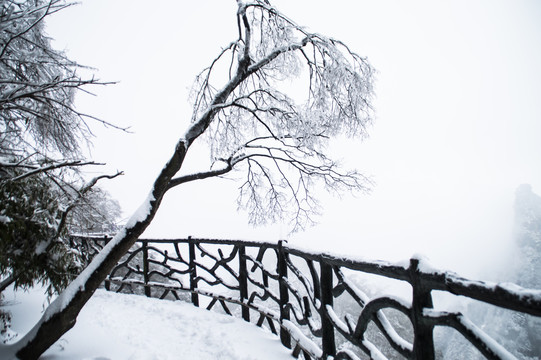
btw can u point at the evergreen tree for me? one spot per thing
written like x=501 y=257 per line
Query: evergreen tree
x=41 y=134
x=517 y=332
x=528 y=238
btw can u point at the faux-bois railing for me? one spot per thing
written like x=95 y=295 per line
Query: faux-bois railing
x=292 y=292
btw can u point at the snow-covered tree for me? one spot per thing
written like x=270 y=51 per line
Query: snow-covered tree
x=528 y=237
x=255 y=122
x=41 y=135
x=96 y=214
x=517 y=332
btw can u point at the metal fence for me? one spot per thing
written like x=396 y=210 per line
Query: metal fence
x=296 y=294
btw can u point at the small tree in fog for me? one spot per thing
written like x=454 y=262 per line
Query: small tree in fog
x=284 y=93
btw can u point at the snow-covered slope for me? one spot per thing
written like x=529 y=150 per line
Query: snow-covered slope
x=118 y=326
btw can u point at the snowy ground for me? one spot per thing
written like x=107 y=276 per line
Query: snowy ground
x=118 y=326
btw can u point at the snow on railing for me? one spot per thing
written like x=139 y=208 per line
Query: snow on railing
x=296 y=294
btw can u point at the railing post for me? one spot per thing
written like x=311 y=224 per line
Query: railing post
x=243 y=282
x=146 y=278
x=327 y=329
x=285 y=337
x=107 y=282
x=423 y=342
x=193 y=272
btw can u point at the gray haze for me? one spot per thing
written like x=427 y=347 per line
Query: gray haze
x=457 y=129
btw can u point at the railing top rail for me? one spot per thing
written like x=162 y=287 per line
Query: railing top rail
x=505 y=295
x=398 y=271
x=216 y=241
x=193 y=240
x=213 y=241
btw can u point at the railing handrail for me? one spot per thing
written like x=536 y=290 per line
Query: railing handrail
x=513 y=297
x=417 y=272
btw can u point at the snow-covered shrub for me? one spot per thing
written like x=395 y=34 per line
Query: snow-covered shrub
x=30 y=247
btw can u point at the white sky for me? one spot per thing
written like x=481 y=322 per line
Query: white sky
x=458 y=118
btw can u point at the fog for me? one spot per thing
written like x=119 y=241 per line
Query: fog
x=457 y=127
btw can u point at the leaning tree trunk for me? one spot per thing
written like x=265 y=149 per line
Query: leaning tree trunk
x=61 y=315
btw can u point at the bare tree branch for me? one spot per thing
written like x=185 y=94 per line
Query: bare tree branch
x=53 y=167
x=201 y=175
x=80 y=196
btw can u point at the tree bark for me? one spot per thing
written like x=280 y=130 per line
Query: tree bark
x=6 y=282
x=64 y=310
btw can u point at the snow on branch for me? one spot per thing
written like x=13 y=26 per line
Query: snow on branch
x=278 y=132
x=53 y=166
x=483 y=342
x=38 y=85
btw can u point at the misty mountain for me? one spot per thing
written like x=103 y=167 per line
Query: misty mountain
x=528 y=237
x=519 y=333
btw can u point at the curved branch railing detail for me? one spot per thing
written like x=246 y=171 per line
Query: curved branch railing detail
x=292 y=292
